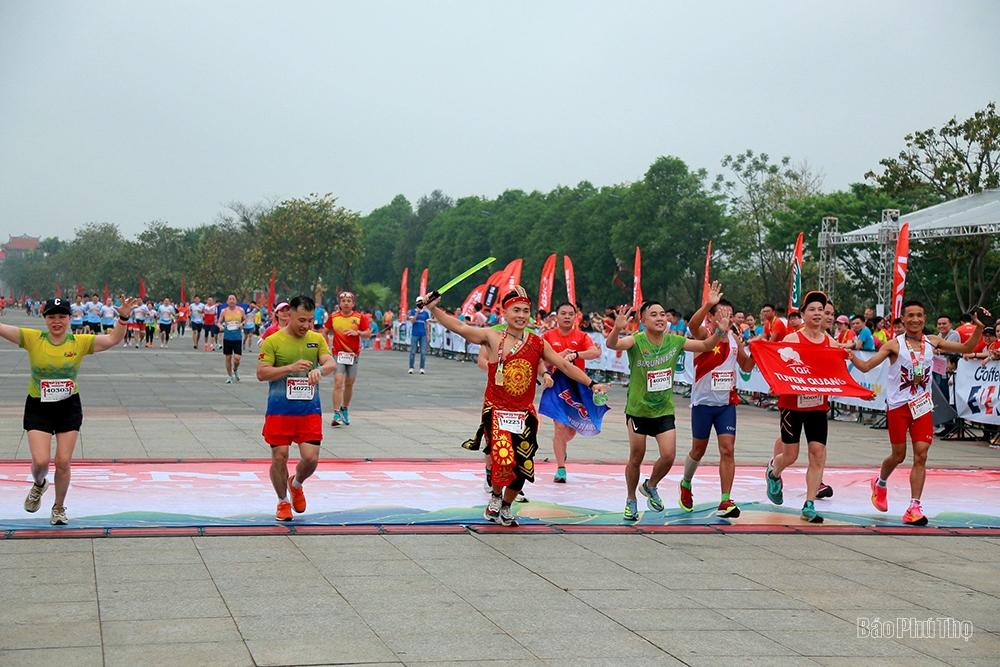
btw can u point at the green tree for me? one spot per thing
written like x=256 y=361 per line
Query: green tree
x=382 y=231
x=307 y=239
x=671 y=216
x=371 y=296
x=414 y=228
x=960 y=158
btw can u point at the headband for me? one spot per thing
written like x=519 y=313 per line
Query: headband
x=516 y=295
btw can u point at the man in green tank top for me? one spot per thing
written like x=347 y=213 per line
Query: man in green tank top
x=649 y=410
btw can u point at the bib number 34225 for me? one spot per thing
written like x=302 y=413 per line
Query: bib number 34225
x=659 y=380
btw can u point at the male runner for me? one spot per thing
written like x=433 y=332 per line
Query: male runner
x=576 y=347
x=94 y=314
x=53 y=403
x=292 y=360
x=76 y=315
x=209 y=316
x=714 y=400
x=908 y=401
x=197 y=320
x=167 y=314
x=652 y=357
x=108 y=316
x=419 y=317
x=509 y=421
x=232 y=318
x=348 y=327
x=803 y=412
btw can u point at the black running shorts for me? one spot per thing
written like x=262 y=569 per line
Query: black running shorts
x=794 y=421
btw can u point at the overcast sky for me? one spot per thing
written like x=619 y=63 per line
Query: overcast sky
x=136 y=111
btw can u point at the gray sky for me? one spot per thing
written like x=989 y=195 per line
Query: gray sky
x=127 y=112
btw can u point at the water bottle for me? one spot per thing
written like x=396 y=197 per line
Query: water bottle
x=600 y=398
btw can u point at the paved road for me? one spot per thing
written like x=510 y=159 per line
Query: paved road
x=459 y=599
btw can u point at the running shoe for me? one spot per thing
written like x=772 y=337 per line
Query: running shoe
x=507 y=517
x=336 y=418
x=687 y=498
x=298 y=496
x=521 y=498
x=34 y=499
x=422 y=373
x=343 y=416
x=774 y=493
x=284 y=512
x=195 y=346
x=492 y=512
x=488 y=482
x=236 y=375
x=728 y=510
x=914 y=516
x=409 y=372
x=631 y=510
x=560 y=477
x=810 y=514
x=206 y=347
x=58 y=516
x=229 y=379
x=653 y=501
x=825 y=491
x=879 y=493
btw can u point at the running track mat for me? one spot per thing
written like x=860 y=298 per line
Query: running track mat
x=446 y=495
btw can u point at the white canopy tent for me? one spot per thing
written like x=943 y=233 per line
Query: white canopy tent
x=972 y=215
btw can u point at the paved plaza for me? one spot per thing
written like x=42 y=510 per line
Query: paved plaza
x=478 y=598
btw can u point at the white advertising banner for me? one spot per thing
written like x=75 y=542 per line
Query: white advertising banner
x=977 y=391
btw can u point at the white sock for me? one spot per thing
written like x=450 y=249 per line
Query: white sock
x=296 y=483
x=690 y=466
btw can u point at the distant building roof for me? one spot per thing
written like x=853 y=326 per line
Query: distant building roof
x=24 y=242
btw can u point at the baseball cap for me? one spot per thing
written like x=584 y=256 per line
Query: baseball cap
x=990 y=330
x=56 y=306
x=843 y=319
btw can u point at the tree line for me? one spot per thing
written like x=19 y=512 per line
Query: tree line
x=752 y=211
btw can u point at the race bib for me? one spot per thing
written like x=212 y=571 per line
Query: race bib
x=808 y=401
x=920 y=406
x=660 y=380
x=232 y=325
x=723 y=380
x=345 y=358
x=510 y=421
x=299 y=389
x=56 y=390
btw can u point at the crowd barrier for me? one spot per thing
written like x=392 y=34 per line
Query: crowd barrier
x=977 y=387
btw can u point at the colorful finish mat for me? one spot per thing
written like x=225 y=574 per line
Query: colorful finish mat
x=394 y=492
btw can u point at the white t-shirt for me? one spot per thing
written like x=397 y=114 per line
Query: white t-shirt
x=197 y=313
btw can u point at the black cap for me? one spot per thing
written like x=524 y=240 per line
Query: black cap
x=990 y=330
x=56 y=306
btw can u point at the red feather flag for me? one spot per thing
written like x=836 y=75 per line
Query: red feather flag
x=142 y=289
x=570 y=280
x=545 y=286
x=637 y=281
x=270 y=292
x=183 y=293
x=107 y=294
x=708 y=265
x=475 y=296
x=899 y=274
x=423 y=283
x=402 y=293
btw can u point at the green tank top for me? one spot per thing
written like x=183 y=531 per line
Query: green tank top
x=644 y=358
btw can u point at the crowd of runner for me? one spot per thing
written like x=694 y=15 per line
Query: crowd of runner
x=518 y=351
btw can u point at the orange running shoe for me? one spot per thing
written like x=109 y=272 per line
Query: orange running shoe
x=914 y=516
x=284 y=512
x=879 y=493
x=298 y=496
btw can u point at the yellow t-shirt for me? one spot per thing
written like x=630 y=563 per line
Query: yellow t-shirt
x=54 y=362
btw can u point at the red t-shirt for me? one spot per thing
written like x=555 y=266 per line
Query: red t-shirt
x=576 y=340
x=965 y=331
x=209 y=315
x=339 y=324
x=775 y=330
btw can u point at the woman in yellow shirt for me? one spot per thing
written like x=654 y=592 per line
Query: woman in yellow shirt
x=53 y=403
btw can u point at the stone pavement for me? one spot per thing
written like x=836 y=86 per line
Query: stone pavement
x=481 y=599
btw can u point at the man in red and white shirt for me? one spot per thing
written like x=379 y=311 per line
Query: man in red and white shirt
x=575 y=346
x=348 y=327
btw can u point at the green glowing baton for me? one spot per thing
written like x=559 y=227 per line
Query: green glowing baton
x=462 y=276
